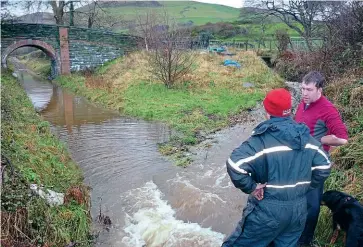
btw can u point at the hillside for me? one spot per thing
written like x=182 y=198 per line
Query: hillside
x=37 y=18
x=184 y=11
x=120 y=16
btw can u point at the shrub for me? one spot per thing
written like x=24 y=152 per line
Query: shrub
x=283 y=40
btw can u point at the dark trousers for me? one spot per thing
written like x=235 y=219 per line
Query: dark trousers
x=267 y=222
x=313 y=204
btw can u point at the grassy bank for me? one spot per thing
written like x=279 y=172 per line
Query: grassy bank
x=37 y=62
x=346 y=92
x=204 y=101
x=40 y=158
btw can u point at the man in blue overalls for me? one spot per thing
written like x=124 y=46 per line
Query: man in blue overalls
x=277 y=165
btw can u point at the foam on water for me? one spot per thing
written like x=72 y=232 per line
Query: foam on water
x=151 y=222
x=194 y=198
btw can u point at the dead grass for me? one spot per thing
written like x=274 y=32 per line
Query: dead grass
x=208 y=71
x=129 y=70
x=356 y=96
x=337 y=89
x=347 y=94
x=78 y=194
x=14 y=225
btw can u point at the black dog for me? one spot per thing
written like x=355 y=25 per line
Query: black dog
x=347 y=215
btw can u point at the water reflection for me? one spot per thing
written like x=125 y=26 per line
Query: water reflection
x=67 y=110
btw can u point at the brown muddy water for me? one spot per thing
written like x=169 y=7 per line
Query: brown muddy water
x=150 y=201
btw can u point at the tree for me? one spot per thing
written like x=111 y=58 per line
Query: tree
x=58 y=8
x=145 y=24
x=302 y=16
x=88 y=13
x=346 y=27
x=170 y=57
x=71 y=14
x=5 y=11
x=344 y=36
x=93 y=14
x=298 y=15
x=283 y=40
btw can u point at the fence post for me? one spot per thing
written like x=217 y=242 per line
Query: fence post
x=246 y=45
x=270 y=45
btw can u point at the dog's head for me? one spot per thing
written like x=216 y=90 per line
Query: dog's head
x=334 y=199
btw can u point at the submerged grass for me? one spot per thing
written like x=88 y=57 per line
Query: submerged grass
x=38 y=157
x=202 y=102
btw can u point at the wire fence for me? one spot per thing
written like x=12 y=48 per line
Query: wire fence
x=296 y=44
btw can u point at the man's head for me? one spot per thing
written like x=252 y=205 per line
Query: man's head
x=277 y=103
x=312 y=87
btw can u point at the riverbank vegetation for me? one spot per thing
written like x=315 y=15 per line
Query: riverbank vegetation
x=37 y=61
x=31 y=154
x=203 y=101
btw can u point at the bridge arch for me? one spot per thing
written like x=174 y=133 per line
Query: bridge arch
x=45 y=47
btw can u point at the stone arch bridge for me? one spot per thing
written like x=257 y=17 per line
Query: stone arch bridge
x=69 y=48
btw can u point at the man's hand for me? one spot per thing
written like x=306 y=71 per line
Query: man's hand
x=258 y=192
x=332 y=140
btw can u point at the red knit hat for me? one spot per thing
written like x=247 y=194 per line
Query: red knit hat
x=278 y=102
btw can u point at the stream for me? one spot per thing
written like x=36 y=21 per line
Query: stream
x=150 y=201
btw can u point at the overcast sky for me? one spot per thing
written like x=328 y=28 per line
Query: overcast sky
x=232 y=3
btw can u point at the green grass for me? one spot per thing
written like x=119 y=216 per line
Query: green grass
x=39 y=157
x=255 y=30
x=182 y=11
x=103 y=68
x=255 y=35
x=186 y=111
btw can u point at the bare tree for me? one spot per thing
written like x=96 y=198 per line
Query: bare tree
x=298 y=15
x=93 y=12
x=302 y=16
x=344 y=37
x=144 y=25
x=169 y=49
x=88 y=13
x=5 y=12
x=58 y=7
x=283 y=40
x=58 y=11
x=346 y=26
x=93 y=15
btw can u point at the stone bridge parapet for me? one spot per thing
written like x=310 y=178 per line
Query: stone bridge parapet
x=69 y=48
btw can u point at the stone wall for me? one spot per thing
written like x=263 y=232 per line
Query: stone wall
x=87 y=55
x=90 y=48
x=76 y=48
